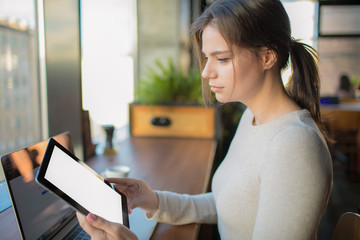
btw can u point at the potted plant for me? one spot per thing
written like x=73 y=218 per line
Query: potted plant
x=168 y=103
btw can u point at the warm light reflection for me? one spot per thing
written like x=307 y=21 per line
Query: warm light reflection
x=25 y=160
x=21 y=159
x=39 y=148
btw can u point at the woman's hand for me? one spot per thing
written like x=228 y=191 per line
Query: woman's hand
x=101 y=229
x=138 y=194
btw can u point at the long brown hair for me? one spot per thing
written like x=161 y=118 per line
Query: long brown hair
x=254 y=24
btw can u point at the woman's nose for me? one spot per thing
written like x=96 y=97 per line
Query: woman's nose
x=208 y=72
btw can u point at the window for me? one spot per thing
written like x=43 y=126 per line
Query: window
x=108 y=39
x=303 y=21
x=20 y=102
x=339 y=20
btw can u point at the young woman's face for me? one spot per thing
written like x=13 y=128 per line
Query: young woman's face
x=232 y=77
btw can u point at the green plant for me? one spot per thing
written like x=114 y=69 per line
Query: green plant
x=168 y=84
x=355 y=80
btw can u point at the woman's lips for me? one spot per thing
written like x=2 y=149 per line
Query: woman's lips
x=215 y=89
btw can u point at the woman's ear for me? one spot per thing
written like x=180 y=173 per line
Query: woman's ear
x=269 y=58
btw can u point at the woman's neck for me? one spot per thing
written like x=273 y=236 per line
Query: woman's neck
x=271 y=102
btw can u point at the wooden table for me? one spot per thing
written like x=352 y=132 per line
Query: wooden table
x=174 y=164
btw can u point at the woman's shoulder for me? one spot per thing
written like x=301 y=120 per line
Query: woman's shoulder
x=299 y=135
x=301 y=139
x=299 y=147
x=300 y=130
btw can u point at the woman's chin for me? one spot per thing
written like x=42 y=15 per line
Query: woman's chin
x=221 y=99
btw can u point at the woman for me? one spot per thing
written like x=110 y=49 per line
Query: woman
x=345 y=89
x=276 y=179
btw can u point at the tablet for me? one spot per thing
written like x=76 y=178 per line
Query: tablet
x=80 y=186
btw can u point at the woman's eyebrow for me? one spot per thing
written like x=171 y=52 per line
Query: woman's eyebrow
x=217 y=52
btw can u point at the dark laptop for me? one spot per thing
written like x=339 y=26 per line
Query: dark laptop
x=40 y=214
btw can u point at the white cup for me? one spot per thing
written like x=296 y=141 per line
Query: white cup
x=116 y=171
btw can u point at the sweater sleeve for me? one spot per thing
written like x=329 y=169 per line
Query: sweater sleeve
x=296 y=181
x=180 y=209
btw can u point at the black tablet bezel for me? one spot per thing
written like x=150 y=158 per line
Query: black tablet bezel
x=40 y=178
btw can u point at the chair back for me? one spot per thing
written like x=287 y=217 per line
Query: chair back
x=347 y=227
x=340 y=121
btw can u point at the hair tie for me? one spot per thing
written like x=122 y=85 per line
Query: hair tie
x=292 y=44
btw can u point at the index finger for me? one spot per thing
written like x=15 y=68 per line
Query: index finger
x=122 y=181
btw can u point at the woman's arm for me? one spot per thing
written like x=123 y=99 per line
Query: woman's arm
x=179 y=209
x=169 y=207
x=295 y=185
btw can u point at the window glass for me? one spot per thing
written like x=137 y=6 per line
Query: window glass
x=302 y=18
x=20 y=118
x=340 y=20
x=108 y=43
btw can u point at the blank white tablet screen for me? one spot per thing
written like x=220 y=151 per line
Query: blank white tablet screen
x=83 y=186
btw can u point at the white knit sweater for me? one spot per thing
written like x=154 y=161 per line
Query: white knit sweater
x=273 y=184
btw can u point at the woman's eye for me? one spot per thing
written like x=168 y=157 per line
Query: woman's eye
x=223 y=60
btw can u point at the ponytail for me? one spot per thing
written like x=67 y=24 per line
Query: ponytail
x=304 y=83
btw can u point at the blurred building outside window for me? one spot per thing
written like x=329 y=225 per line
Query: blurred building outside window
x=21 y=101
